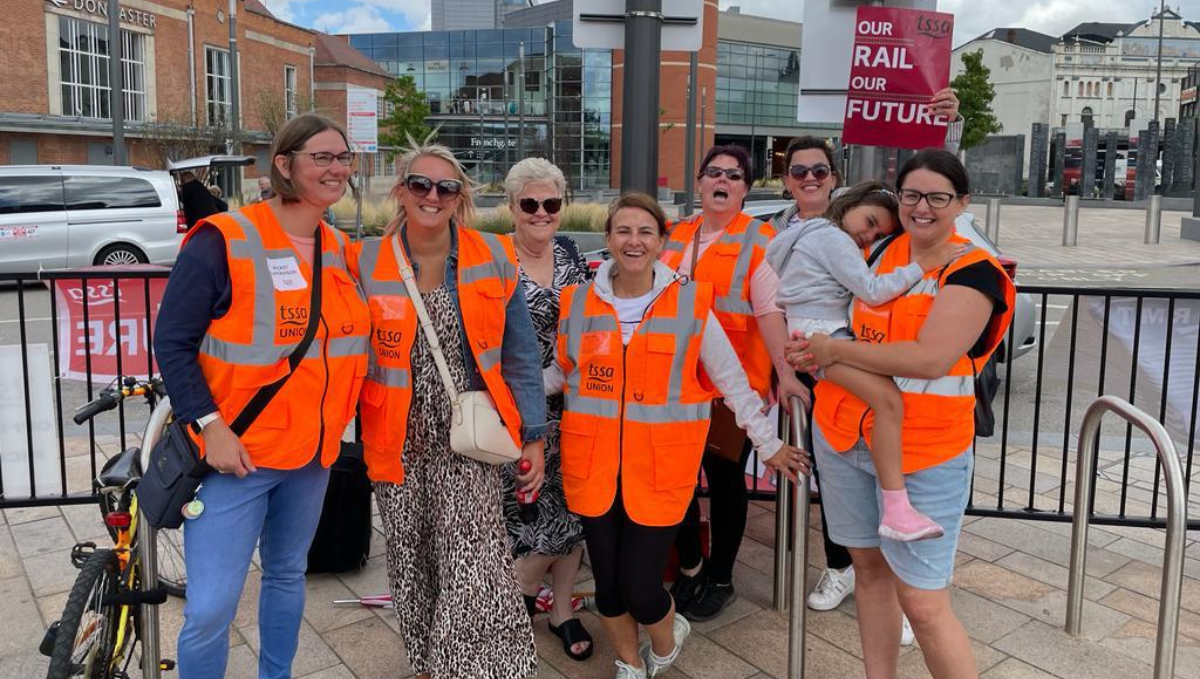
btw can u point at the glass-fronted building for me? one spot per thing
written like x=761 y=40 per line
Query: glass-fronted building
x=480 y=92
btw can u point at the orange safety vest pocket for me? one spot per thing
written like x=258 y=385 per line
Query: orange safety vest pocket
x=376 y=430
x=246 y=383
x=677 y=453
x=575 y=444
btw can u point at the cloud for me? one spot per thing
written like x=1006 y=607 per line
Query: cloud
x=416 y=13
x=788 y=11
x=286 y=10
x=356 y=19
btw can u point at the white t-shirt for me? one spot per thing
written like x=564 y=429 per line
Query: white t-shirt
x=630 y=312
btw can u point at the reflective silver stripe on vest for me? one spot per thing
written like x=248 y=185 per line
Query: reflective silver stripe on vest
x=735 y=302
x=351 y=345
x=503 y=266
x=397 y=378
x=574 y=332
x=489 y=358
x=670 y=412
x=683 y=326
x=609 y=409
x=925 y=286
x=950 y=385
x=368 y=264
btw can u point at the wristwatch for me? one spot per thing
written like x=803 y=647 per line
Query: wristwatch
x=202 y=422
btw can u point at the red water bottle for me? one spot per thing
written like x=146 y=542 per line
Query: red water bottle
x=527 y=509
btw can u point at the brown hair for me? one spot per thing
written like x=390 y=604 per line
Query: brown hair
x=864 y=193
x=294 y=135
x=809 y=142
x=641 y=201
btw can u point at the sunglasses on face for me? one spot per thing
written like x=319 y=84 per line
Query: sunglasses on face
x=734 y=174
x=936 y=200
x=819 y=172
x=325 y=158
x=530 y=205
x=420 y=186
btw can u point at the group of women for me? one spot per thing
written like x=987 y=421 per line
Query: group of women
x=606 y=383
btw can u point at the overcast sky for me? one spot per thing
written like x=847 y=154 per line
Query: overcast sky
x=972 y=17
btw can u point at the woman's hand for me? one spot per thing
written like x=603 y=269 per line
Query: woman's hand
x=531 y=482
x=788 y=387
x=224 y=452
x=789 y=460
x=944 y=103
x=815 y=351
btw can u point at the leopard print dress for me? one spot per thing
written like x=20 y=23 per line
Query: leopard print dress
x=449 y=566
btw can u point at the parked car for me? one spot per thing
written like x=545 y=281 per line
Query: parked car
x=60 y=216
x=1024 y=320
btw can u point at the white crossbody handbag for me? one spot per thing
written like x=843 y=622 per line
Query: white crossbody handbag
x=476 y=430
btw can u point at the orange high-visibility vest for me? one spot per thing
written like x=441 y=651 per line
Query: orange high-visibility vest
x=939 y=420
x=637 y=412
x=729 y=264
x=487 y=279
x=268 y=315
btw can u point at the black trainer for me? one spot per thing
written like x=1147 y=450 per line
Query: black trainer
x=710 y=602
x=686 y=588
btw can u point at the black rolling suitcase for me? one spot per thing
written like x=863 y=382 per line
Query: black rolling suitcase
x=343 y=539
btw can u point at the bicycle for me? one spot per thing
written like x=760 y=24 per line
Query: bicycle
x=109 y=610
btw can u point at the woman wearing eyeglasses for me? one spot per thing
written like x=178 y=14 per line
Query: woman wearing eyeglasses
x=450 y=569
x=546 y=537
x=237 y=306
x=727 y=248
x=933 y=339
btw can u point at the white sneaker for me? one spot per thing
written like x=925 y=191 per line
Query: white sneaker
x=906 y=634
x=629 y=672
x=832 y=589
x=655 y=665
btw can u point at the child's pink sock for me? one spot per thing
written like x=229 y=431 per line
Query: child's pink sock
x=901 y=521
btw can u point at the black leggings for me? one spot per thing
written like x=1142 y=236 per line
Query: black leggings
x=728 y=503
x=628 y=560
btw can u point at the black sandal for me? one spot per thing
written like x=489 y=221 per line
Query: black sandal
x=530 y=604
x=573 y=632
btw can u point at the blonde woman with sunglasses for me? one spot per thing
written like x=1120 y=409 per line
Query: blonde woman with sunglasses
x=449 y=566
x=545 y=536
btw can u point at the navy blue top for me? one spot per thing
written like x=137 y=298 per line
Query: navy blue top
x=199 y=291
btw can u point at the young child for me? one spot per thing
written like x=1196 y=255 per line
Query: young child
x=820 y=264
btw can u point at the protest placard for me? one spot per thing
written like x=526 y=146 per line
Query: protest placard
x=901 y=58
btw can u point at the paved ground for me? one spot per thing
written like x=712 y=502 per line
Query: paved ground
x=1009 y=586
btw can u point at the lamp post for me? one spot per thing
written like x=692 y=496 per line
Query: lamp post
x=116 y=89
x=1158 y=62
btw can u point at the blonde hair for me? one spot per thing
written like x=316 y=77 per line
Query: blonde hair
x=464 y=215
x=532 y=171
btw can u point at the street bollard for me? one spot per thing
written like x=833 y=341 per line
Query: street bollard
x=1153 y=220
x=1071 y=221
x=993 y=220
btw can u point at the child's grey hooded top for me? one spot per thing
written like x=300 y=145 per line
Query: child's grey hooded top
x=820 y=267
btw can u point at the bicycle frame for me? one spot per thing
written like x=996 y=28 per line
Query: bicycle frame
x=147 y=549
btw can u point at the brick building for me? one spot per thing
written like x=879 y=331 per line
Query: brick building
x=177 y=79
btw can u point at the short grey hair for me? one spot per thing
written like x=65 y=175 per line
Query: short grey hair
x=532 y=171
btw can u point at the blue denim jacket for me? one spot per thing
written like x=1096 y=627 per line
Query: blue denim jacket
x=520 y=358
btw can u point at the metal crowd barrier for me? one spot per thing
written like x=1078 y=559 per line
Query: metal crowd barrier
x=1173 y=554
x=791 y=544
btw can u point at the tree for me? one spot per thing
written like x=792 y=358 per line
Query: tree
x=407 y=111
x=975 y=95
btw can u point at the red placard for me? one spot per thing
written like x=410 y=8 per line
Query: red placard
x=101 y=336
x=901 y=58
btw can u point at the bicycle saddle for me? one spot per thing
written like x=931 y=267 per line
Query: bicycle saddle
x=122 y=470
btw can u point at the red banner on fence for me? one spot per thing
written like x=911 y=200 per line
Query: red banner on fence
x=901 y=59
x=103 y=338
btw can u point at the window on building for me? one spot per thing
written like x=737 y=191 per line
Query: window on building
x=83 y=52
x=102 y=193
x=1081 y=89
x=382 y=167
x=290 y=108
x=217 y=87
x=1110 y=89
x=1066 y=89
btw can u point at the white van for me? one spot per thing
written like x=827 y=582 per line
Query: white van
x=66 y=216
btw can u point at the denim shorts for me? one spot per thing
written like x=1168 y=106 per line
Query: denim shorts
x=853 y=501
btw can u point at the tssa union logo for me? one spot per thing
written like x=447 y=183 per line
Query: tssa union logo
x=933 y=27
x=599 y=379
x=388 y=342
x=293 y=322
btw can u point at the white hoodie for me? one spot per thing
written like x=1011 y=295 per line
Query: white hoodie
x=717 y=356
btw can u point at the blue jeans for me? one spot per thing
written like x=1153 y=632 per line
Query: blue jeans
x=279 y=511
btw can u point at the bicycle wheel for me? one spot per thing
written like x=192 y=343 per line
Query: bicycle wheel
x=172 y=573
x=87 y=632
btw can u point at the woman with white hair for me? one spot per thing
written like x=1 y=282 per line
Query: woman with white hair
x=548 y=538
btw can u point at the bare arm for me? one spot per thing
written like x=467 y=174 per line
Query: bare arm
x=959 y=315
x=774 y=333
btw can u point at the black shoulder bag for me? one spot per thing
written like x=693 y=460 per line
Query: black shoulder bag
x=176 y=469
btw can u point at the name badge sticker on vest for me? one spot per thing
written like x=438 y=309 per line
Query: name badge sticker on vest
x=285 y=274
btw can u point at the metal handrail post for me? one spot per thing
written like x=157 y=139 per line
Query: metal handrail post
x=798 y=618
x=1172 y=579
x=783 y=504
x=148 y=551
